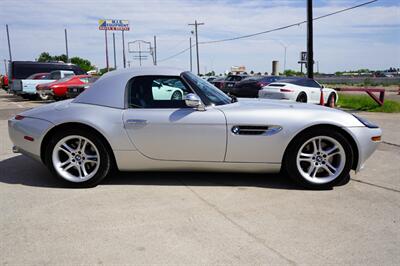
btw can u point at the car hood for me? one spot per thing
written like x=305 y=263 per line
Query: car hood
x=278 y=112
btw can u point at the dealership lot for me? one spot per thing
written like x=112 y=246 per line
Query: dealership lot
x=202 y=218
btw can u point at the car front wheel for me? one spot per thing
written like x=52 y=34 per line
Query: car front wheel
x=78 y=157
x=319 y=159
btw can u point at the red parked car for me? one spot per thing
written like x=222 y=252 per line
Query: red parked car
x=4 y=82
x=59 y=89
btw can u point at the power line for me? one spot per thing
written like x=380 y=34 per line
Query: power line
x=272 y=30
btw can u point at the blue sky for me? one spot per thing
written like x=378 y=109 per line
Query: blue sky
x=368 y=37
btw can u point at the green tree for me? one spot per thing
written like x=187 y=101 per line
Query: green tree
x=82 y=63
x=45 y=57
x=85 y=64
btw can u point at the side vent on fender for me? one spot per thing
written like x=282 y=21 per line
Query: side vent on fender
x=256 y=130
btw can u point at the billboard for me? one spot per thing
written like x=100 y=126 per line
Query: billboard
x=113 y=24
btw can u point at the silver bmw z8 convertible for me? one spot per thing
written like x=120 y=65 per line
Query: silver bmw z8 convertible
x=123 y=121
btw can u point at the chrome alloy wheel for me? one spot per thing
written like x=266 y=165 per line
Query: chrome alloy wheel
x=321 y=159
x=76 y=158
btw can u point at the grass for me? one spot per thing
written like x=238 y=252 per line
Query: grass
x=365 y=103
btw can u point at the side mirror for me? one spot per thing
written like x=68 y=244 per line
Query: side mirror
x=192 y=100
x=322 y=86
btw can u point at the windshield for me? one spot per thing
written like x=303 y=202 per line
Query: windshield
x=209 y=94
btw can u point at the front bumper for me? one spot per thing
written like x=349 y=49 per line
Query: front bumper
x=27 y=135
x=366 y=146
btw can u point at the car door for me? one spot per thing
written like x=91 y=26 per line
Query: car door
x=314 y=89
x=166 y=129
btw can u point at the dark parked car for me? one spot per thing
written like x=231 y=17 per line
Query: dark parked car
x=250 y=86
x=20 y=70
x=227 y=83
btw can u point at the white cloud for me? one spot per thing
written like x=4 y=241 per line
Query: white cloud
x=365 y=37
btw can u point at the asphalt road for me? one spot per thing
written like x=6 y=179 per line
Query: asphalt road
x=198 y=218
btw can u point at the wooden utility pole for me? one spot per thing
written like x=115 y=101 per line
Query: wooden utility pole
x=196 y=24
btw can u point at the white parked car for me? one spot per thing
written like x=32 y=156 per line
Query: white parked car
x=300 y=90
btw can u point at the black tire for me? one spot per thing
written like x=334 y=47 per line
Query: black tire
x=177 y=95
x=331 y=100
x=105 y=166
x=302 y=97
x=290 y=158
x=32 y=97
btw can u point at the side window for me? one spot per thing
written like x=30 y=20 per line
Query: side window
x=55 y=75
x=315 y=84
x=157 y=92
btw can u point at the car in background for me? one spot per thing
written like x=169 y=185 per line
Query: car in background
x=4 y=82
x=19 y=70
x=74 y=90
x=29 y=85
x=230 y=82
x=58 y=89
x=217 y=82
x=250 y=86
x=303 y=90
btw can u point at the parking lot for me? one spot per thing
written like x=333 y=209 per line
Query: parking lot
x=198 y=218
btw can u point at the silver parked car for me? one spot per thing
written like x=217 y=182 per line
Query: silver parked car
x=120 y=122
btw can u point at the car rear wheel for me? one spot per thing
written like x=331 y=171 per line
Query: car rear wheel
x=302 y=98
x=43 y=97
x=319 y=159
x=331 y=100
x=176 y=96
x=78 y=157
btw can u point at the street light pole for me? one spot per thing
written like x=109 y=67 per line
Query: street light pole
x=66 y=44
x=155 y=50
x=196 y=24
x=310 y=52
x=9 y=45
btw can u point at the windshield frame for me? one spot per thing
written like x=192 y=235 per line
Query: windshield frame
x=192 y=80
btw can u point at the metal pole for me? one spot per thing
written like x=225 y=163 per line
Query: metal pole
x=284 y=61
x=107 y=65
x=123 y=49
x=66 y=44
x=140 y=56
x=9 y=45
x=5 y=66
x=310 y=52
x=190 y=46
x=155 y=50
x=115 y=55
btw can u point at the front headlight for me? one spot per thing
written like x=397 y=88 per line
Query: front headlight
x=365 y=122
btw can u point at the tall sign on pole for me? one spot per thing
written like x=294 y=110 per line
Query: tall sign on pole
x=115 y=57
x=196 y=24
x=114 y=25
x=310 y=52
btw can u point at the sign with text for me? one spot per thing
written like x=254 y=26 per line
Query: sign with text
x=113 y=24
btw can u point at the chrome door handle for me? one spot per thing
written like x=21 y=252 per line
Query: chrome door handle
x=136 y=122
